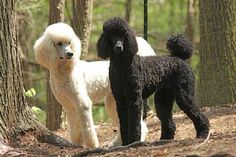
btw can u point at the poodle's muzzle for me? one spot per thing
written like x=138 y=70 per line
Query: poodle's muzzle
x=118 y=48
x=64 y=51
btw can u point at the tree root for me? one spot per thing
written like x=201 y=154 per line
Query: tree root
x=102 y=151
x=55 y=140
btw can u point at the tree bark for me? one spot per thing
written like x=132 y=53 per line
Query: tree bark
x=54 y=109
x=82 y=22
x=217 y=84
x=128 y=9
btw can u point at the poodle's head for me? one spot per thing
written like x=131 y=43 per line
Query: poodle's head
x=58 y=43
x=117 y=39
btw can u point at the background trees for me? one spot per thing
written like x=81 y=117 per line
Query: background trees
x=82 y=22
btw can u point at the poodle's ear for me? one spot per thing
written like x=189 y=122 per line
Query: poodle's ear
x=76 y=46
x=45 y=52
x=104 y=47
x=130 y=42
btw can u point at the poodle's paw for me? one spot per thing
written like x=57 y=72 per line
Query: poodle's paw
x=116 y=141
x=91 y=144
x=144 y=130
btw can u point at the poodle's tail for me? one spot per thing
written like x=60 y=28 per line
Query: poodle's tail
x=180 y=46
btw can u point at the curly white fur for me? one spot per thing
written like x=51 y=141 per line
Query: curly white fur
x=78 y=84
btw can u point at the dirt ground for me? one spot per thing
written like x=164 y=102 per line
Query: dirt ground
x=221 y=142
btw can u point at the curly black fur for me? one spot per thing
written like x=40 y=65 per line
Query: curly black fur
x=134 y=78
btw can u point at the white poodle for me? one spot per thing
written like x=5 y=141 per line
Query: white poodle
x=78 y=84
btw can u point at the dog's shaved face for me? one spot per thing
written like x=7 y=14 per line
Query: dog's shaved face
x=64 y=49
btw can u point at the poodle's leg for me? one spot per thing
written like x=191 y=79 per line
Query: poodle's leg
x=144 y=130
x=146 y=108
x=74 y=126
x=122 y=111
x=164 y=100
x=134 y=118
x=84 y=111
x=110 y=106
x=185 y=99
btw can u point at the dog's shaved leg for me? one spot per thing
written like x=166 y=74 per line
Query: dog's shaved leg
x=84 y=111
x=110 y=106
x=74 y=126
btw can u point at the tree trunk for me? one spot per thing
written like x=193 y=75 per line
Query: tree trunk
x=16 y=117
x=128 y=8
x=189 y=24
x=54 y=109
x=82 y=22
x=217 y=83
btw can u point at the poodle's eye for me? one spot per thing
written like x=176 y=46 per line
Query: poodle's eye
x=59 y=43
x=69 y=43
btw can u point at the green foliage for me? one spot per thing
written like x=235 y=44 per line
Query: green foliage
x=31 y=92
x=99 y=113
x=40 y=114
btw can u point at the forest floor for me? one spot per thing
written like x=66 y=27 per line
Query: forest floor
x=221 y=142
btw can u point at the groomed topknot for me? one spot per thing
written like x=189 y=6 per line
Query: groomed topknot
x=115 y=25
x=179 y=46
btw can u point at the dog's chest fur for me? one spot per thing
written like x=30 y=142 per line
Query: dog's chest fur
x=125 y=75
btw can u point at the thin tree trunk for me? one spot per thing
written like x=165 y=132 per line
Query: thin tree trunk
x=82 y=22
x=54 y=109
x=217 y=83
x=189 y=24
x=128 y=9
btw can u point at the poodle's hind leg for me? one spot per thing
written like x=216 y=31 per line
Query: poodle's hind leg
x=164 y=100
x=185 y=99
x=74 y=126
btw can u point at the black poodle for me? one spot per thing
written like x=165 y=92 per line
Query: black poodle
x=134 y=78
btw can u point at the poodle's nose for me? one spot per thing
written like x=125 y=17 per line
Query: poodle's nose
x=69 y=54
x=119 y=46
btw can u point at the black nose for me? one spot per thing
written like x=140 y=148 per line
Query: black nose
x=69 y=54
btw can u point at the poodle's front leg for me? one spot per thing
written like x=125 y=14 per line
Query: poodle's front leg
x=74 y=125
x=122 y=110
x=134 y=118
x=84 y=111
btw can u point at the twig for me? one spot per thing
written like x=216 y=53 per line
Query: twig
x=205 y=141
